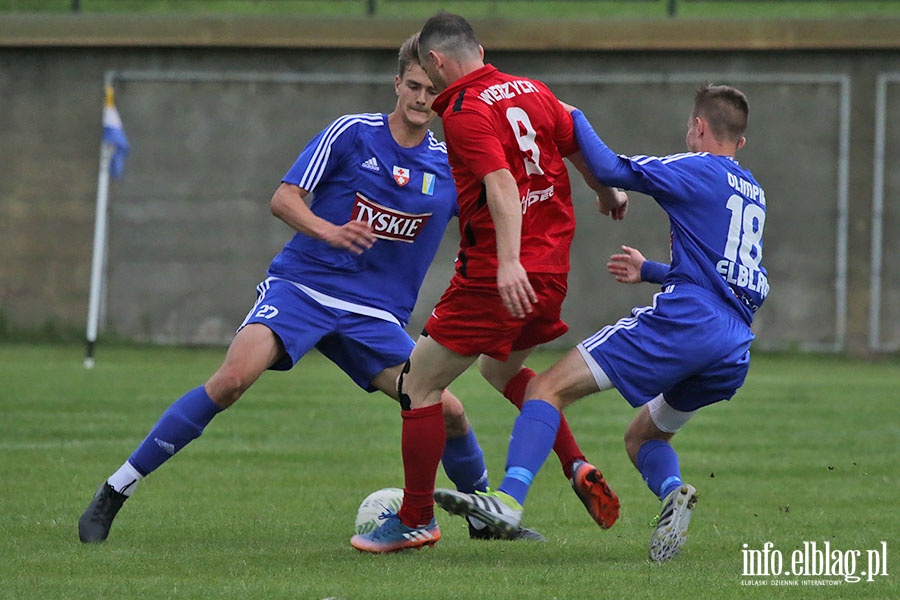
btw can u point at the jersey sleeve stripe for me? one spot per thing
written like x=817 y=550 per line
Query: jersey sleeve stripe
x=434 y=144
x=316 y=167
x=642 y=159
x=676 y=157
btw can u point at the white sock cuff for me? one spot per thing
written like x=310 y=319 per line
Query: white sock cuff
x=125 y=480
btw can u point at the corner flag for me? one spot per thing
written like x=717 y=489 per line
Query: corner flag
x=113 y=150
x=114 y=135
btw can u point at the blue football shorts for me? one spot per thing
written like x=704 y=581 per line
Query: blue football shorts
x=687 y=347
x=361 y=345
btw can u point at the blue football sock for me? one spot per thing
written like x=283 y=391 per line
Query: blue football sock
x=532 y=440
x=463 y=462
x=658 y=464
x=182 y=422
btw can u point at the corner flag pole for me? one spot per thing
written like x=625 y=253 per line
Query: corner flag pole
x=98 y=261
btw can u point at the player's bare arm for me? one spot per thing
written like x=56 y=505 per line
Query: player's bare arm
x=506 y=211
x=288 y=205
x=612 y=202
x=626 y=267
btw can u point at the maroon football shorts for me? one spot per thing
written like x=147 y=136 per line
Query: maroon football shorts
x=470 y=318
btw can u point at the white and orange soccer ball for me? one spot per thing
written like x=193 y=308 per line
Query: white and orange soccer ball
x=378 y=506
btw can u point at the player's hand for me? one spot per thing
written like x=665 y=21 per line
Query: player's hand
x=613 y=204
x=355 y=236
x=626 y=267
x=515 y=289
x=568 y=107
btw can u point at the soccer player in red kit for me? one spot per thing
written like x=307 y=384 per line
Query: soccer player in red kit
x=506 y=139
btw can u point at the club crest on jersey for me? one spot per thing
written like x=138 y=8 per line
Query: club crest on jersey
x=387 y=223
x=401 y=175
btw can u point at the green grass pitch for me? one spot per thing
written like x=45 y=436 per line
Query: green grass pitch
x=263 y=505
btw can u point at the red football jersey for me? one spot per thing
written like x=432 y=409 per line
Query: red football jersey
x=494 y=121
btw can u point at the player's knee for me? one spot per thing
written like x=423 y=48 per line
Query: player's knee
x=227 y=386
x=656 y=420
x=455 y=422
x=638 y=433
x=633 y=441
x=542 y=388
x=453 y=408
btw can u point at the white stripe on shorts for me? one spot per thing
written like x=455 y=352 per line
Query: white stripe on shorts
x=625 y=323
x=323 y=299
x=359 y=309
x=260 y=297
x=600 y=377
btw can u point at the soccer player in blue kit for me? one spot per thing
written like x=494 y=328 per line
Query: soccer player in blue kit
x=345 y=284
x=691 y=348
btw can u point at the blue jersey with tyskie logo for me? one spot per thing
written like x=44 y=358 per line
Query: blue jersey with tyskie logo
x=716 y=210
x=356 y=170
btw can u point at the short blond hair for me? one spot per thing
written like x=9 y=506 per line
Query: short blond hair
x=408 y=56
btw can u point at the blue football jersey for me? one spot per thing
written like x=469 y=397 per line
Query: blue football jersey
x=716 y=210
x=356 y=170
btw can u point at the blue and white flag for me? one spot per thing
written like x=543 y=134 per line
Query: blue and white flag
x=114 y=135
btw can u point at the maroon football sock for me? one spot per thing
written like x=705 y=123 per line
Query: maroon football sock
x=422 y=444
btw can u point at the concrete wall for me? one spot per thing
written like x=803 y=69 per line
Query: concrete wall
x=191 y=234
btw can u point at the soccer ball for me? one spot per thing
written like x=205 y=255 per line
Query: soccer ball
x=377 y=507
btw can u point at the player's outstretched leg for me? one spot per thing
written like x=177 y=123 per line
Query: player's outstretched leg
x=591 y=488
x=671 y=528
x=500 y=512
x=394 y=535
x=94 y=524
x=587 y=481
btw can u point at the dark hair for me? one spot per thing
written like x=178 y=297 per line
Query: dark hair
x=450 y=34
x=408 y=55
x=725 y=109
